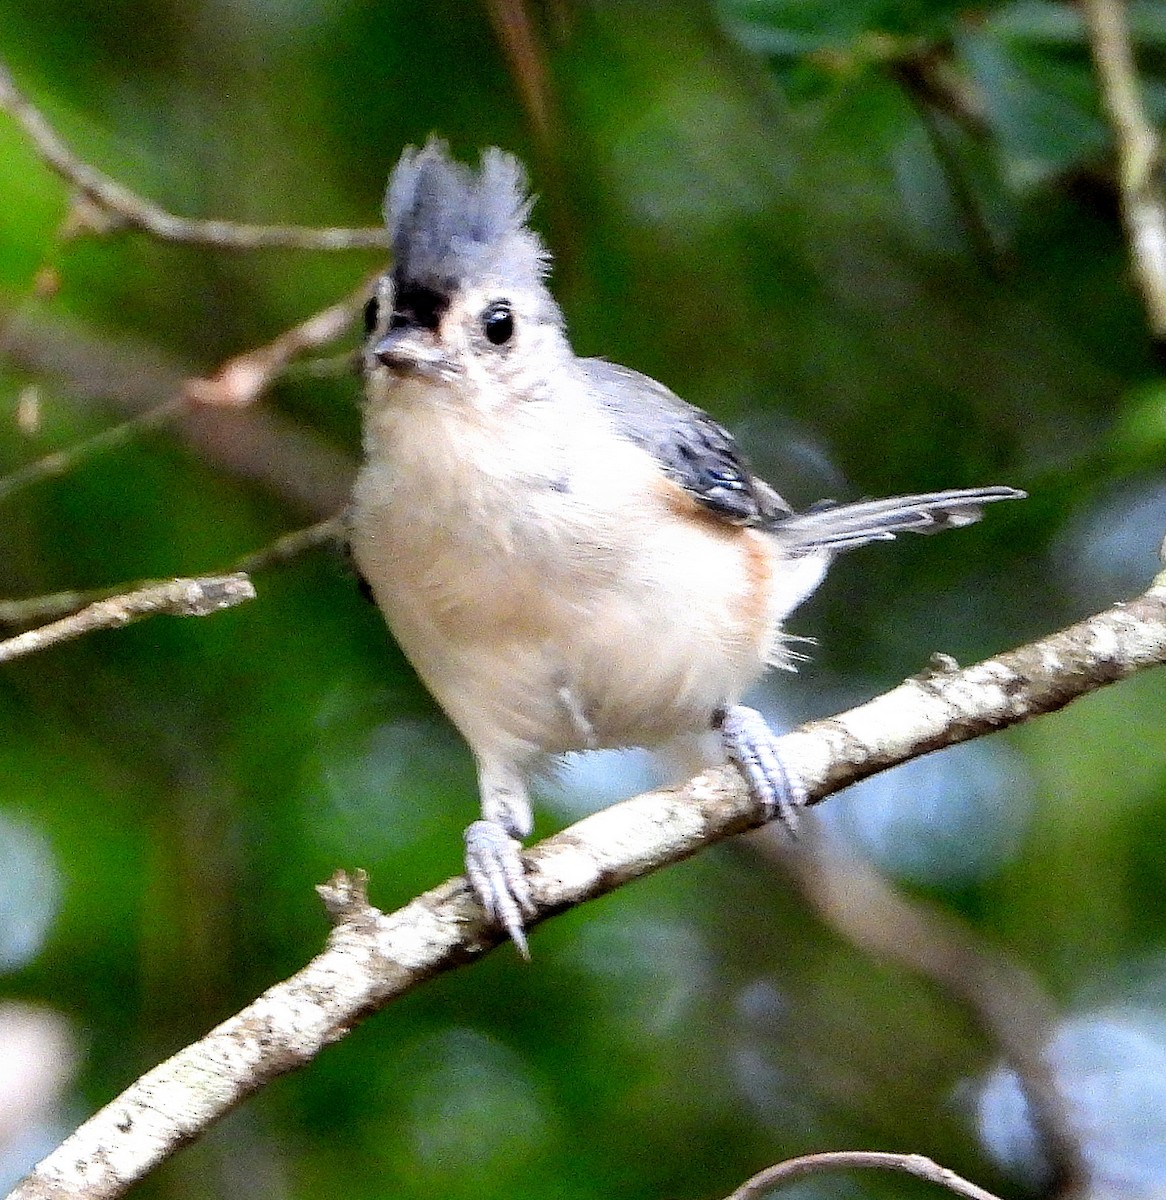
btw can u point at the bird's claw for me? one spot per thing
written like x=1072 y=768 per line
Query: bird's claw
x=498 y=877
x=752 y=746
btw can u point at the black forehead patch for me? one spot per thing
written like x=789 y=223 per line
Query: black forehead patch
x=420 y=305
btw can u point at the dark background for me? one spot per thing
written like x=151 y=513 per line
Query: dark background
x=880 y=241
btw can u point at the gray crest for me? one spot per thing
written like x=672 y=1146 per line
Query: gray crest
x=450 y=225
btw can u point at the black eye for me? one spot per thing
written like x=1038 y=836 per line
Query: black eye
x=498 y=322
x=371 y=314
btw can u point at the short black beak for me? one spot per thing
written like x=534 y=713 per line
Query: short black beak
x=410 y=349
x=397 y=348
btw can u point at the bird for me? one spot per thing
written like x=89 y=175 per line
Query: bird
x=570 y=556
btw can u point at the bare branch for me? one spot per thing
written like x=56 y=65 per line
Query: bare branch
x=372 y=958
x=118 y=207
x=60 y=462
x=15 y=613
x=259 y=444
x=527 y=60
x=1003 y=998
x=850 y=1160
x=239 y=382
x=291 y=545
x=243 y=379
x=932 y=91
x=1139 y=154
x=179 y=598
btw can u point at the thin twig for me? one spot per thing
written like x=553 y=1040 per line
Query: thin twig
x=59 y=462
x=178 y=597
x=239 y=382
x=372 y=958
x=243 y=379
x=15 y=613
x=1139 y=154
x=852 y=1160
x=527 y=60
x=259 y=444
x=1004 y=999
x=291 y=545
x=122 y=208
x=51 y=607
x=915 y=77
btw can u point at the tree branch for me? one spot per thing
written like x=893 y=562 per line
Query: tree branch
x=243 y=379
x=237 y=383
x=256 y=443
x=14 y=613
x=1139 y=154
x=372 y=958
x=849 y=1160
x=60 y=462
x=1004 y=999
x=116 y=206
x=527 y=61
x=177 y=597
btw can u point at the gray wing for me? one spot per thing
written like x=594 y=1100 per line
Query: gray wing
x=692 y=448
x=704 y=459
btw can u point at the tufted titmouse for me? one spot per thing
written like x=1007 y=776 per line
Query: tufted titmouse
x=570 y=556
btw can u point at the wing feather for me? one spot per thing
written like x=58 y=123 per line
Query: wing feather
x=704 y=459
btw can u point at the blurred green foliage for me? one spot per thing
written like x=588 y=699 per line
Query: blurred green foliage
x=880 y=240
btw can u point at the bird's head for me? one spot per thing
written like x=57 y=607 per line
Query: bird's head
x=465 y=302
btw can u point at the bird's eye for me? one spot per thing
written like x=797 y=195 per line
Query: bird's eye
x=371 y=314
x=498 y=322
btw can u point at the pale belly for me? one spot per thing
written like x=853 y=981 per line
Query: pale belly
x=631 y=643
x=572 y=605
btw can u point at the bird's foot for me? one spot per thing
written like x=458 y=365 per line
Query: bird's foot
x=498 y=877
x=751 y=745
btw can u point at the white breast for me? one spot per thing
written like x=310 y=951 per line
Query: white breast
x=536 y=565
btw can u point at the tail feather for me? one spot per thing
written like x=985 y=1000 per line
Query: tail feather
x=836 y=527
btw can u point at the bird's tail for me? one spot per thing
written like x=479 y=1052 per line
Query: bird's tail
x=836 y=527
